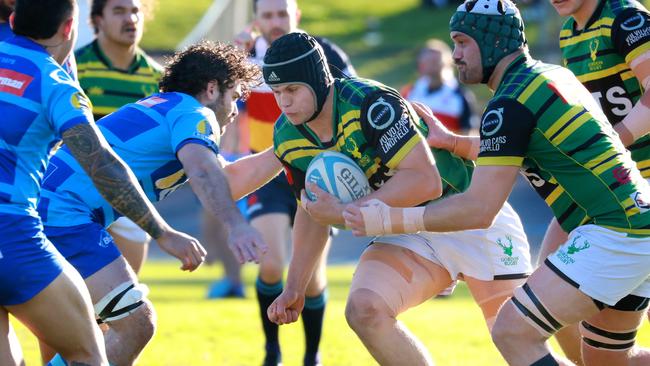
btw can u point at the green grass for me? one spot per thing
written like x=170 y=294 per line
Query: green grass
x=172 y=21
x=195 y=331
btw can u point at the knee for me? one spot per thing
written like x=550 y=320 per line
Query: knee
x=365 y=311
x=507 y=327
x=144 y=321
x=271 y=270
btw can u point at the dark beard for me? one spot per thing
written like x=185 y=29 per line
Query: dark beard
x=5 y=11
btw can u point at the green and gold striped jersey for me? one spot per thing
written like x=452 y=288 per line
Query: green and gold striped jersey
x=375 y=127
x=600 y=56
x=110 y=88
x=542 y=118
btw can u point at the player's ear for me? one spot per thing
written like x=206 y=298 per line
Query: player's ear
x=212 y=89
x=66 y=28
x=11 y=19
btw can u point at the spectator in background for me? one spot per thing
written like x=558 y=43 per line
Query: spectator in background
x=114 y=71
x=438 y=88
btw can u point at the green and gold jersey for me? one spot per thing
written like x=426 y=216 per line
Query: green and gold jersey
x=600 y=56
x=542 y=118
x=110 y=88
x=375 y=127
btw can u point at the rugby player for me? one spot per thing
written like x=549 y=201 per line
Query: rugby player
x=271 y=209
x=167 y=138
x=45 y=105
x=541 y=117
x=373 y=125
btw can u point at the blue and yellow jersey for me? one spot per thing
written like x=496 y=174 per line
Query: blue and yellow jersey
x=147 y=135
x=375 y=127
x=110 y=88
x=38 y=101
x=600 y=56
x=542 y=119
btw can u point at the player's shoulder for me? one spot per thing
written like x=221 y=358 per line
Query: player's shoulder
x=87 y=53
x=622 y=9
x=356 y=91
x=151 y=63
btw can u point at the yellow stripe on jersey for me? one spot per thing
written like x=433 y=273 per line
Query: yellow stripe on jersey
x=531 y=88
x=500 y=161
x=572 y=112
x=102 y=111
x=598 y=159
x=406 y=148
x=557 y=192
x=606 y=166
x=635 y=232
x=571 y=128
x=633 y=210
x=291 y=144
x=298 y=154
x=637 y=52
x=618 y=69
x=117 y=76
x=354 y=126
x=594 y=31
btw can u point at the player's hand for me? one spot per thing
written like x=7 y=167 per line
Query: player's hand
x=246 y=243
x=371 y=218
x=184 y=247
x=325 y=209
x=286 y=308
x=245 y=39
x=439 y=136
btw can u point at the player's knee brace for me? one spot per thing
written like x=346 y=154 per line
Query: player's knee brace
x=535 y=313
x=607 y=339
x=121 y=302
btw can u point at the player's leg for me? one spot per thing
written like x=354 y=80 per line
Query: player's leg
x=608 y=338
x=214 y=239
x=388 y=280
x=119 y=301
x=10 y=352
x=132 y=241
x=491 y=295
x=45 y=293
x=595 y=265
x=569 y=336
x=313 y=312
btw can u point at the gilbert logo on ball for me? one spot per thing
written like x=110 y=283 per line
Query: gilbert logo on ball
x=338 y=175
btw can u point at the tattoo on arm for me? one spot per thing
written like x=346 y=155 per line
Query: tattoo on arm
x=111 y=176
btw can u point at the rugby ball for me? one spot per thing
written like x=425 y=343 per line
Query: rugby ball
x=338 y=175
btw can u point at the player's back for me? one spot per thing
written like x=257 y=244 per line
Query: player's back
x=147 y=136
x=553 y=121
x=39 y=101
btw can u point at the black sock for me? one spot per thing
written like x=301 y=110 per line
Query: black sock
x=312 y=320
x=547 y=360
x=266 y=293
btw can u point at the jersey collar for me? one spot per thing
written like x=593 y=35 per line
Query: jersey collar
x=135 y=64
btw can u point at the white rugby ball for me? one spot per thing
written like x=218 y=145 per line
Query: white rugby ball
x=338 y=175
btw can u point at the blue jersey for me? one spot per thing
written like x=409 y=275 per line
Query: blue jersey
x=147 y=135
x=38 y=102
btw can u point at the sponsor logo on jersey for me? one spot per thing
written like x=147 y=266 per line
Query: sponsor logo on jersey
x=641 y=201
x=493 y=143
x=492 y=121
x=381 y=114
x=13 y=82
x=396 y=133
x=622 y=174
x=104 y=239
x=635 y=22
x=151 y=101
x=635 y=25
x=273 y=77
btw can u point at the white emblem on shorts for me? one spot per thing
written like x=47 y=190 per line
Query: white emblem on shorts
x=104 y=239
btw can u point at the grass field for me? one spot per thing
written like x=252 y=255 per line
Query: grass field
x=195 y=331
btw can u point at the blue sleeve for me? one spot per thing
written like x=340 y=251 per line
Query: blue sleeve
x=66 y=103
x=195 y=128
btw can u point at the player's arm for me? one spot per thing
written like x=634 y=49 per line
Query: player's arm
x=505 y=134
x=631 y=37
x=440 y=137
x=211 y=186
x=247 y=174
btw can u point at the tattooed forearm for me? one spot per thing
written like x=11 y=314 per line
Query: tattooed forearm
x=211 y=187
x=113 y=179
